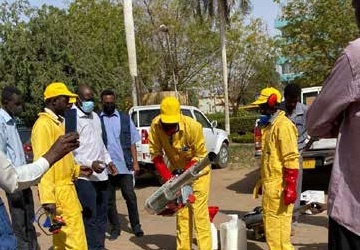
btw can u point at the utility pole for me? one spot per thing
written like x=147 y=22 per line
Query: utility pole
x=224 y=63
x=131 y=48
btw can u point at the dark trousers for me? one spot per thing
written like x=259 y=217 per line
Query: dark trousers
x=342 y=239
x=126 y=185
x=21 y=207
x=7 y=237
x=93 y=198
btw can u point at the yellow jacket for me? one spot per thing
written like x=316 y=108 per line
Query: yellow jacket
x=188 y=143
x=279 y=147
x=45 y=132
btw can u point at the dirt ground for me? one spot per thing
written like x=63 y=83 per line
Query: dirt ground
x=231 y=191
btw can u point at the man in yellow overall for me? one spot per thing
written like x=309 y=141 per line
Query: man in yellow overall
x=182 y=140
x=279 y=170
x=56 y=188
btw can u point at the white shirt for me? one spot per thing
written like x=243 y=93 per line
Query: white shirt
x=21 y=177
x=92 y=147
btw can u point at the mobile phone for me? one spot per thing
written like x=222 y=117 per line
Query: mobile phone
x=70 y=121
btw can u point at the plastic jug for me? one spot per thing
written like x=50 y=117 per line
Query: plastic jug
x=214 y=234
x=233 y=234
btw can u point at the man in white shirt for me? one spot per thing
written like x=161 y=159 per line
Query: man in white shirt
x=92 y=191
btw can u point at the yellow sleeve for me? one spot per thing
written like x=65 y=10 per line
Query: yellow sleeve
x=154 y=140
x=197 y=142
x=76 y=172
x=41 y=142
x=287 y=138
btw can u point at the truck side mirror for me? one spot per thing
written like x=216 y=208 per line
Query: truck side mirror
x=214 y=124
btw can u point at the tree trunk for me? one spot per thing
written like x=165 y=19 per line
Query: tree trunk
x=222 y=19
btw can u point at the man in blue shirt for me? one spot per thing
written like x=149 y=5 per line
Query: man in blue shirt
x=21 y=203
x=296 y=112
x=120 y=136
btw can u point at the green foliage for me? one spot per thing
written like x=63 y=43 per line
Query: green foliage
x=316 y=33
x=240 y=125
x=246 y=138
x=251 y=61
x=85 y=44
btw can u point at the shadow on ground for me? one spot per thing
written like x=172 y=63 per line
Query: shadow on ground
x=124 y=224
x=246 y=184
x=319 y=221
x=320 y=246
x=147 y=180
x=155 y=242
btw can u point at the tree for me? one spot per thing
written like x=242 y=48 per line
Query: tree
x=315 y=35
x=251 y=61
x=85 y=44
x=193 y=46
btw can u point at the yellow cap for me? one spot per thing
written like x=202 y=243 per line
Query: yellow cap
x=170 y=110
x=265 y=94
x=57 y=89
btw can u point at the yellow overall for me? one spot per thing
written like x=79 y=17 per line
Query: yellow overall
x=279 y=150
x=57 y=186
x=187 y=145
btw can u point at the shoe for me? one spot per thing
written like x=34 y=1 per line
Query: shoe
x=138 y=231
x=114 y=235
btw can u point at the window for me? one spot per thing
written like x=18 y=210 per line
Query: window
x=202 y=120
x=186 y=112
x=309 y=98
x=134 y=118
x=146 y=116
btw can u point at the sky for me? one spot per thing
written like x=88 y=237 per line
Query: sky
x=265 y=9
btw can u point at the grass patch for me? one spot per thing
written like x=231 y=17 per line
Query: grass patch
x=241 y=156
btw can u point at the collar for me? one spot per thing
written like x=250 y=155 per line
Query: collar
x=274 y=116
x=116 y=113
x=6 y=116
x=55 y=117
x=297 y=111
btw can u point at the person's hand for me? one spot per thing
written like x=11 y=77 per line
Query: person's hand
x=112 y=169
x=87 y=171
x=98 y=166
x=50 y=208
x=136 y=168
x=63 y=145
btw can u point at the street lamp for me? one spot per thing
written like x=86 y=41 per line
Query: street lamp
x=164 y=28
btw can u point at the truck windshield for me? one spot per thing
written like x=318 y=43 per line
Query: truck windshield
x=146 y=116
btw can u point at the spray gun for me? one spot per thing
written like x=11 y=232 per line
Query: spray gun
x=165 y=198
x=53 y=222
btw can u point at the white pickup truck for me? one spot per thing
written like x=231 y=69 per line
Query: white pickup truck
x=216 y=140
x=321 y=152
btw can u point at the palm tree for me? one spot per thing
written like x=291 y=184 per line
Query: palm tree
x=224 y=8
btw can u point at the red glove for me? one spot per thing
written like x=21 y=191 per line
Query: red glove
x=189 y=165
x=290 y=178
x=162 y=168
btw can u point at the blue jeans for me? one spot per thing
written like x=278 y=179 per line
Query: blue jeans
x=93 y=197
x=7 y=236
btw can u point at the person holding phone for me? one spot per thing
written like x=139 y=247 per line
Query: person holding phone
x=16 y=178
x=92 y=190
x=56 y=189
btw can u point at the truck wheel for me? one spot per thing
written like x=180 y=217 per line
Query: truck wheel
x=223 y=156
